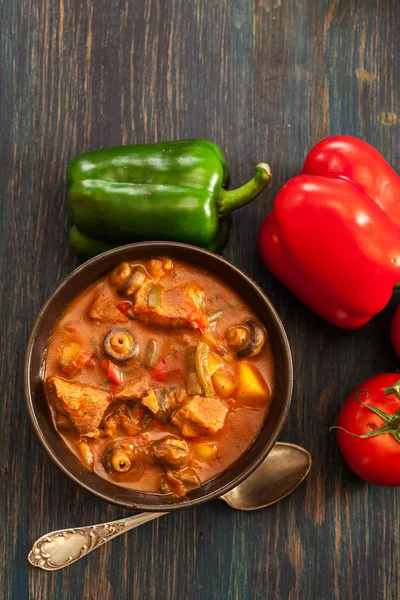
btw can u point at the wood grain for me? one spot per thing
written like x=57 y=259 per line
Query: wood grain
x=265 y=79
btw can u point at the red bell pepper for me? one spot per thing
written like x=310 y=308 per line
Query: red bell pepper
x=113 y=372
x=81 y=359
x=127 y=309
x=333 y=237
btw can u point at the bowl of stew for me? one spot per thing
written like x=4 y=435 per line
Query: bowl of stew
x=158 y=376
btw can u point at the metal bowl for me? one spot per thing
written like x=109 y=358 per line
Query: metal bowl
x=39 y=411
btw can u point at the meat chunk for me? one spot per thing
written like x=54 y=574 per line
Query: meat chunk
x=105 y=311
x=133 y=390
x=180 y=306
x=83 y=404
x=126 y=416
x=200 y=416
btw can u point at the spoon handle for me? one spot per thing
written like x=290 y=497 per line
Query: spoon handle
x=61 y=548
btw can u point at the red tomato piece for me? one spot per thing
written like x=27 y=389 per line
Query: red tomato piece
x=160 y=371
x=369 y=430
x=194 y=316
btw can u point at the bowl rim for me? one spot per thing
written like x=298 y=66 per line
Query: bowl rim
x=163 y=250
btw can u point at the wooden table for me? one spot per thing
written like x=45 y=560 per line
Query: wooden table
x=265 y=79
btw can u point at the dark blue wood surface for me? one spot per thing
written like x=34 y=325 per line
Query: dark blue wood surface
x=265 y=79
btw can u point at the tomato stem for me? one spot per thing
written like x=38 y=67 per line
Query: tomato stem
x=375 y=432
x=392 y=421
x=385 y=416
x=394 y=389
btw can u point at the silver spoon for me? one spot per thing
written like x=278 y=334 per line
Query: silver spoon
x=285 y=467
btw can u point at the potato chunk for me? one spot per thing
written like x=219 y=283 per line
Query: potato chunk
x=85 y=454
x=150 y=401
x=224 y=384
x=83 y=404
x=204 y=450
x=200 y=416
x=251 y=386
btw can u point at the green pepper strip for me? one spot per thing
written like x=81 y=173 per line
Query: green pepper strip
x=214 y=316
x=154 y=297
x=202 y=369
x=151 y=357
x=192 y=383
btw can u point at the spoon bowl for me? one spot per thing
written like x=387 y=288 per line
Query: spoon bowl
x=279 y=474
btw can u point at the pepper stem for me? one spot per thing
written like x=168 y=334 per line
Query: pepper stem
x=230 y=200
x=220 y=241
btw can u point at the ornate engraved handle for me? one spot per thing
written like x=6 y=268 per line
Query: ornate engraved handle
x=61 y=548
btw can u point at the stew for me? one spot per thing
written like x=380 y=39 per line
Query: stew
x=158 y=376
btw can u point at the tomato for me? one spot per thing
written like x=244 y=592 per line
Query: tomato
x=395 y=331
x=369 y=430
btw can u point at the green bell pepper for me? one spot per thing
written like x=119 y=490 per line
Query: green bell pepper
x=163 y=191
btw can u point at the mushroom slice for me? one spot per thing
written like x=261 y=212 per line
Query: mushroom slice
x=188 y=477
x=124 y=456
x=117 y=459
x=254 y=342
x=133 y=283
x=121 y=275
x=179 y=483
x=161 y=404
x=237 y=336
x=120 y=344
x=172 y=452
